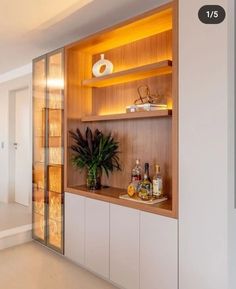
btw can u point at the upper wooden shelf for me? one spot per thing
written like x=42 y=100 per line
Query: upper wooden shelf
x=129 y=115
x=141 y=72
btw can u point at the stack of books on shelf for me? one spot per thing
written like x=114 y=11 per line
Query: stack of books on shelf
x=145 y=107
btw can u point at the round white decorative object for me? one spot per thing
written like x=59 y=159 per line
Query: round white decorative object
x=108 y=67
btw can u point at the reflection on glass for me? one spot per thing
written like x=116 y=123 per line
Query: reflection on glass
x=55 y=178
x=39 y=117
x=38 y=202
x=39 y=149
x=55 y=233
x=38 y=176
x=55 y=101
x=55 y=206
x=55 y=156
x=55 y=81
x=54 y=129
x=55 y=122
x=55 y=86
x=39 y=226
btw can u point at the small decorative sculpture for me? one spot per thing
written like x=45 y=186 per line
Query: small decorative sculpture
x=145 y=96
x=147 y=101
x=102 y=63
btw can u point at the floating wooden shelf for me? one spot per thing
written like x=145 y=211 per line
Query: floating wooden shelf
x=129 y=115
x=141 y=72
x=111 y=195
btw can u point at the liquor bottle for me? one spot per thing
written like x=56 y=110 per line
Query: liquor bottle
x=157 y=183
x=145 y=187
x=146 y=169
x=135 y=179
x=136 y=172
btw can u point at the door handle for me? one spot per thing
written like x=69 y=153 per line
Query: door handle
x=15 y=145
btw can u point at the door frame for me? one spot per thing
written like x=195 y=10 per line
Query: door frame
x=11 y=139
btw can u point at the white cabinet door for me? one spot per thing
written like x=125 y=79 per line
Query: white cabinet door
x=74 y=227
x=97 y=236
x=158 y=252
x=124 y=246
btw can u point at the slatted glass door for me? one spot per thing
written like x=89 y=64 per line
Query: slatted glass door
x=48 y=195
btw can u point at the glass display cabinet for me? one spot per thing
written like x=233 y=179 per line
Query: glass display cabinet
x=48 y=160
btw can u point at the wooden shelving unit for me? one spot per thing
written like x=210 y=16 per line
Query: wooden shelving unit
x=143 y=51
x=136 y=73
x=130 y=115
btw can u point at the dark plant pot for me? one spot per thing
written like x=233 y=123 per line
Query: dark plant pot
x=94 y=181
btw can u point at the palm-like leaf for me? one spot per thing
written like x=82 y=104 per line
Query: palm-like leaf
x=95 y=151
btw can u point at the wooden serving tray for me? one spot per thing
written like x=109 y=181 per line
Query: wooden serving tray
x=138 y=200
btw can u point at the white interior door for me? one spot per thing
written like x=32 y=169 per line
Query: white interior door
x=22 y=147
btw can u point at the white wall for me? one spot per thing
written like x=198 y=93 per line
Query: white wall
x=8 y=83
x=16 y=73
x=203 y=140
x=231 y=154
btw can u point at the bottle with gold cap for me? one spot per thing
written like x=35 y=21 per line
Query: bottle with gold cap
x=157 y=183
x=145 y=186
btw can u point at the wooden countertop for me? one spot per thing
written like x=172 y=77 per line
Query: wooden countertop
x=111 y=195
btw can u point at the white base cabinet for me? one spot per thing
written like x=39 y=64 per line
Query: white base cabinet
x=131 y=248
x=97 y=236
x=124 y=246
x=75 y=228
x=158 y=252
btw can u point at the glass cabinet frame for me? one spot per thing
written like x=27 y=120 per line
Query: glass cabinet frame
x=48 y=150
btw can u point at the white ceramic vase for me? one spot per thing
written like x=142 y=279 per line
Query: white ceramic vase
x=99 y=64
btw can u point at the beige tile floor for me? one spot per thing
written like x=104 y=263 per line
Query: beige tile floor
x=14 y=215
x=31 y=266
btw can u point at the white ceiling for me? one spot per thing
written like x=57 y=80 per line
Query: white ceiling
x=30 y=28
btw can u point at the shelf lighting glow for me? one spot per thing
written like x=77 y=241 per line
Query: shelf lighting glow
x=55 y=83
x=109 y=112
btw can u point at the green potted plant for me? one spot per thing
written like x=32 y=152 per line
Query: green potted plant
x=97 y=152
